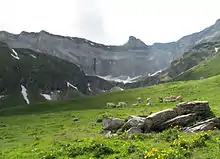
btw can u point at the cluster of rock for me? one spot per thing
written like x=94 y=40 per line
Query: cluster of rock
x=191 y=116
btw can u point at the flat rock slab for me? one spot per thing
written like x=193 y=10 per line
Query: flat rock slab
x=155 y=119
x=198 y=107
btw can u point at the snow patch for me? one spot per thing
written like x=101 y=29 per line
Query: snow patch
x=121 y=79
x=33 y=56
x=216 y=49
x=1 y=96
x=46 y=96
x=89 y=88
x=15 y=54
x=70 y=85
x=92 y=44
x=155 y=73
x=24 y=94
x=151 y=58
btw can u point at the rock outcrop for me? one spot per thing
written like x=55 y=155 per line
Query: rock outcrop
x=191 y=116
x=112 y=124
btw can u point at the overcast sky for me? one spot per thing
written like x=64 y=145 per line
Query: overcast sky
x=110 y=21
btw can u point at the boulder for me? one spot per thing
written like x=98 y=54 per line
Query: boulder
x=201 y=108
x=210 y=124
x=133 y=121
x=155 y=119
x=182 y=120
x=112 y=124
x=134 y=130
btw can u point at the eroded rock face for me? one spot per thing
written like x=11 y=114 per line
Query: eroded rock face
x=112 y=124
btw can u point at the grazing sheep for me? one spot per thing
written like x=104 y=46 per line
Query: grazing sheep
x=171 y=99
x=139 y=99
x=121 y=104
x=110 y=105
x=135 y=104
x=148 y=101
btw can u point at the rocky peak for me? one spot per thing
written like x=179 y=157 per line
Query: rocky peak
x=133 y=42
x=217 y=22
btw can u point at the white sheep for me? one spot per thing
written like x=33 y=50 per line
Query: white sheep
x=109 y=104
x=148 y=101
x=139 y=99
x=121 y=104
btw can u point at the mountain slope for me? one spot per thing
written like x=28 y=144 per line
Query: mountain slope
x=203 y=59
x=132 y=59
x=47 y=129
x=41 y=77
x=205 y=69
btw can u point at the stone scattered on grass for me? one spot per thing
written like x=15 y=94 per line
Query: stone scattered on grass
x=192 y=116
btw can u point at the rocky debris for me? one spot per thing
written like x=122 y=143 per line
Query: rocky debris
x=134 y=130
x=191 y=116
x=112 y=124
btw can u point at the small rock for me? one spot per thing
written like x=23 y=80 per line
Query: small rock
x=107 y=133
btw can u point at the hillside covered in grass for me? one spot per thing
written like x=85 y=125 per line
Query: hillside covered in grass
x=47 y=130
x=205 y=69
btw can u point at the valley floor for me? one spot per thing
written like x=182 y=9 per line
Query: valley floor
x=47 y=130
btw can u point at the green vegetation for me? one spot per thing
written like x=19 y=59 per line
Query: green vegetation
x=207 y=68
x=47 y=130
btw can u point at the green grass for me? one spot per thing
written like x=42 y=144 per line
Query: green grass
x=47 y=129
x=207 y=68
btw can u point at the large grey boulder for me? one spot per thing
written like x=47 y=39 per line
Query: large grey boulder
x=201 y=108
x=112 y=124
x=155 y=119
x=182 y=120
x=134 y=121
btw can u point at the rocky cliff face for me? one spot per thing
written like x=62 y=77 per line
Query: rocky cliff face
x=27 y=76
x=131 y=59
